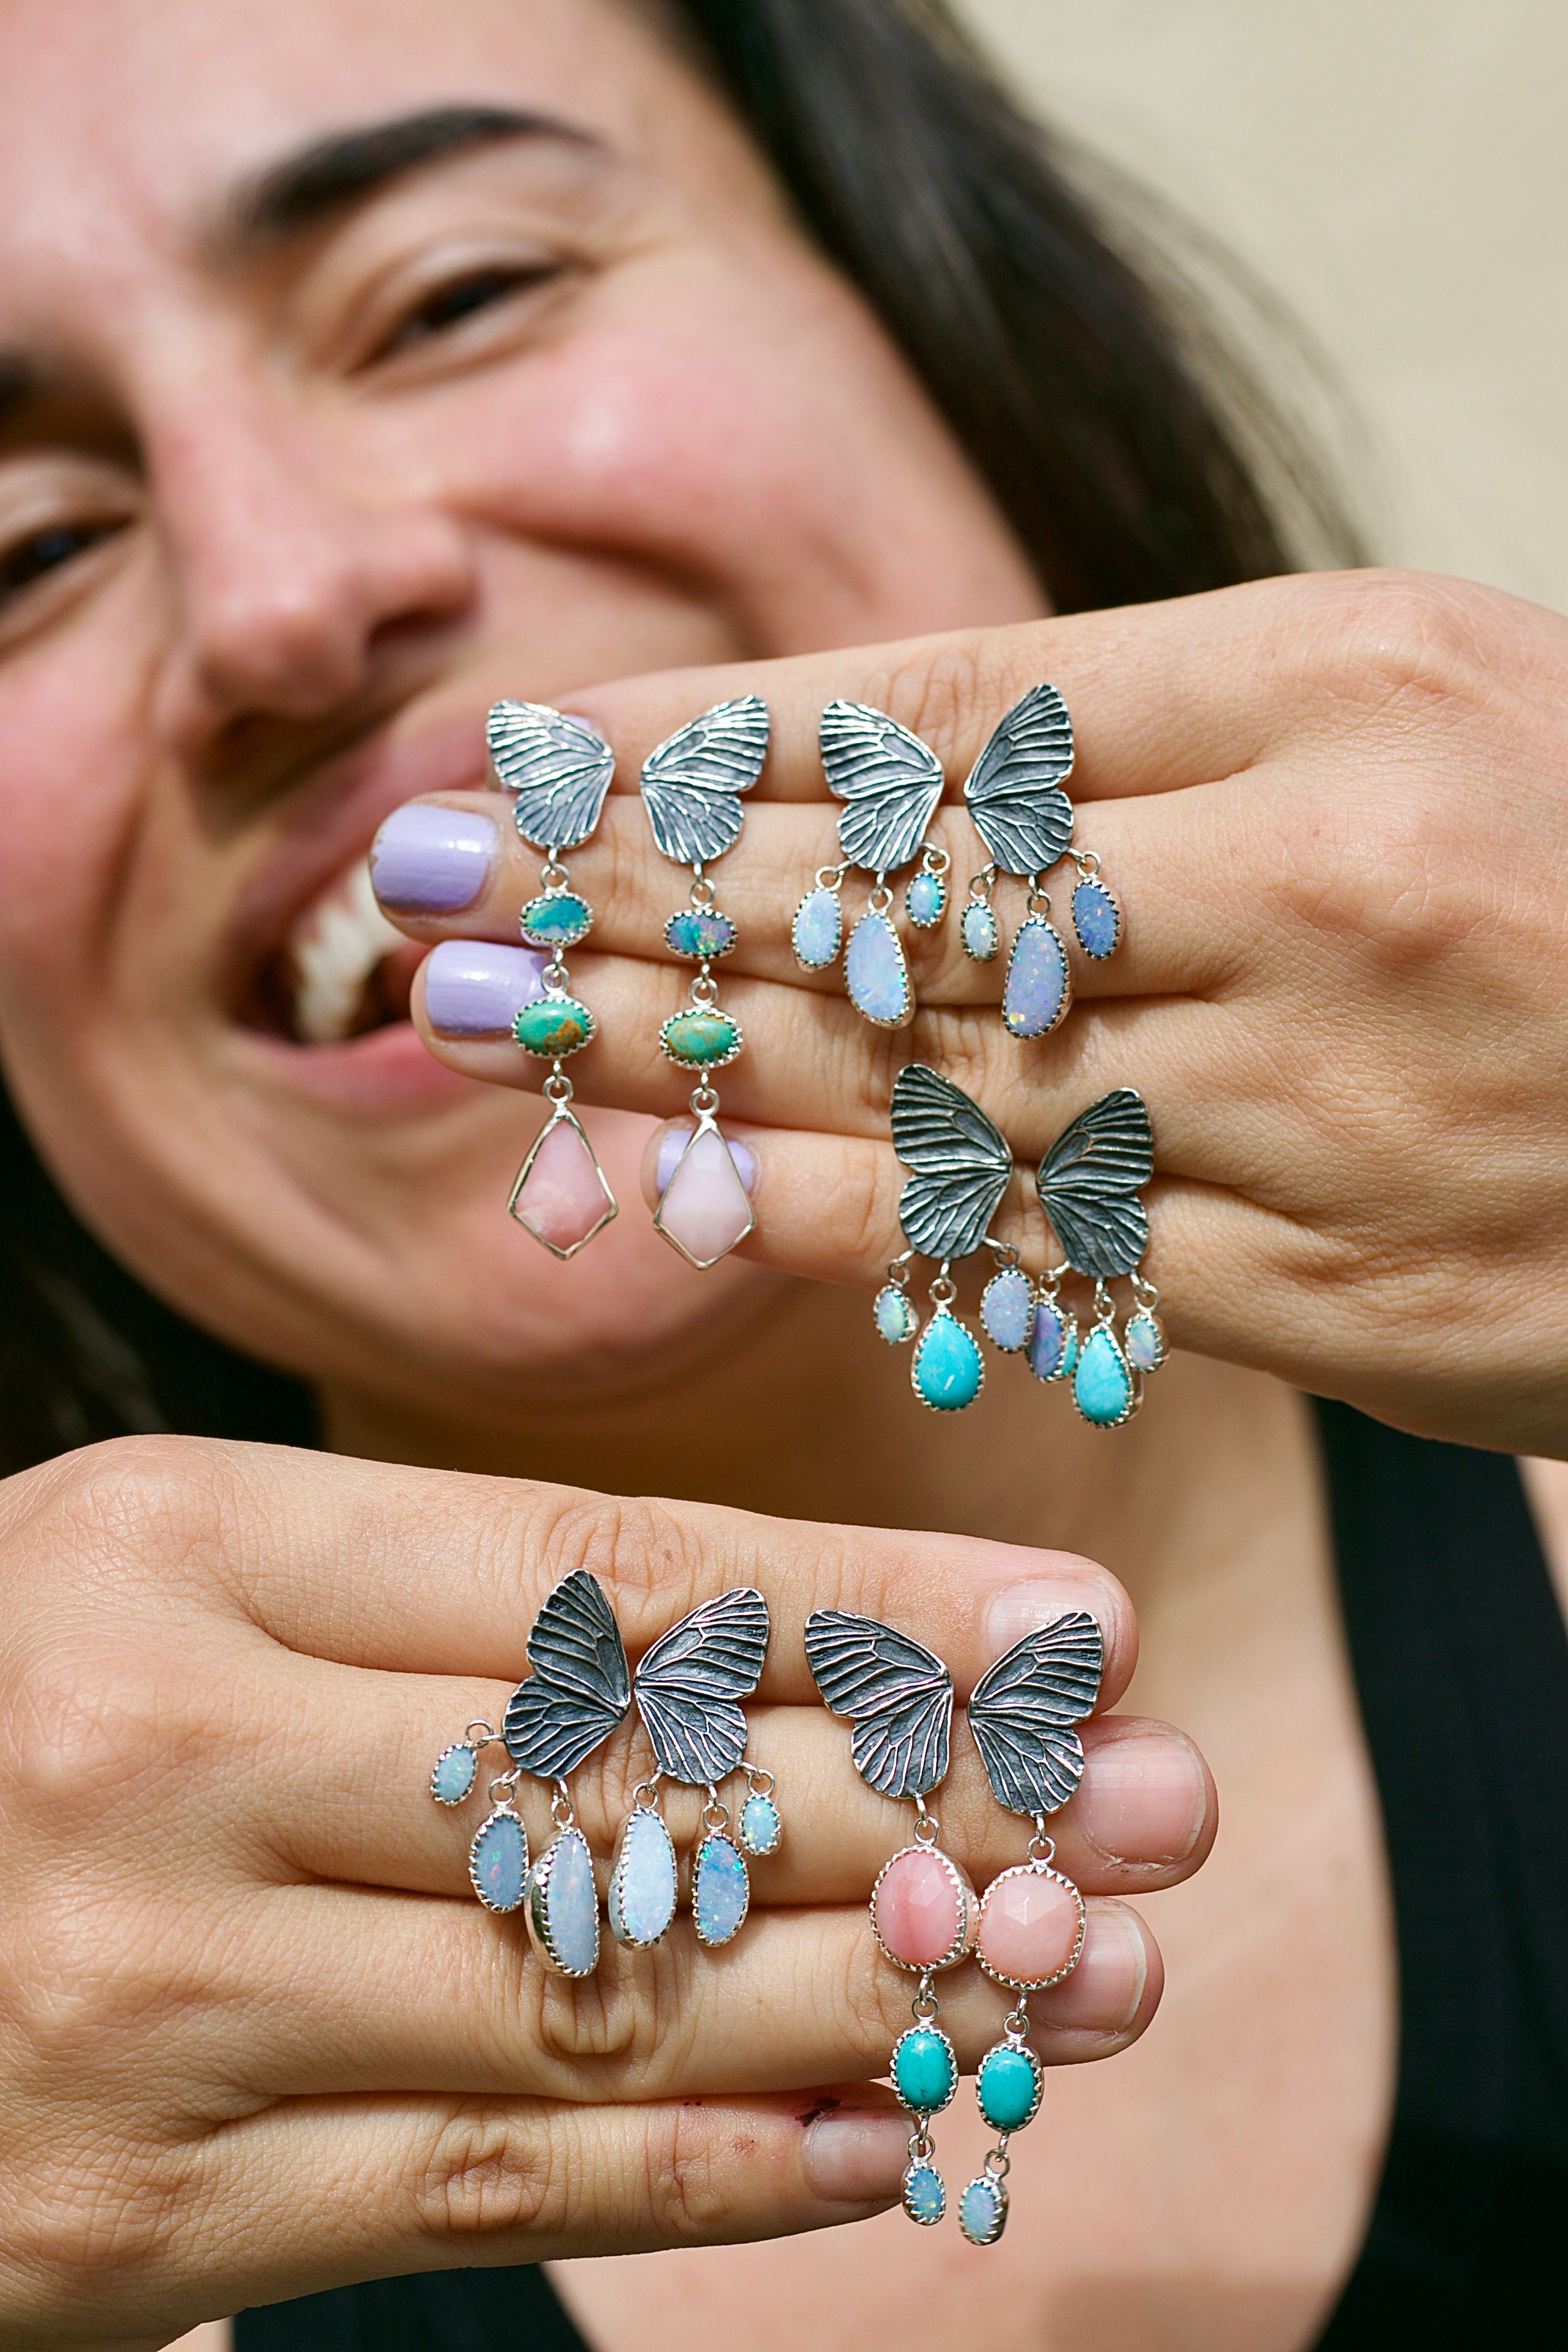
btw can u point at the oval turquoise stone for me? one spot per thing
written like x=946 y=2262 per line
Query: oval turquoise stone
x=1101 y=1382
x=761 y=1827
x=925 y=2069
x=947 y=1370
x=983 y=2210
x=497 y=1861
x=700 y=1040
x=700 y=932
x=977 y=928
x=1097 y=919
x=1008 y=2087
x=817 y=933
x=895 y=1318
x=453 y=1776
x=875 y=974
x=642 y=1884
x=720 y=1889
x=554 y=1027
x=557 y=919
x=566 y=1904
x=925 y=901
x=1007 y=1309
x=925 y=2198
x=1034 y=996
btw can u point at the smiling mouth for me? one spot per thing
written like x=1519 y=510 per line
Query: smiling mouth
x=340 y=971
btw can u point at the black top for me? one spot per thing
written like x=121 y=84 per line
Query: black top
x=1462 y=1665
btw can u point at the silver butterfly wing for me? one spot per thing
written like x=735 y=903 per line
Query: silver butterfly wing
x=890 y=779
x=1024 y=1709
x=1014 y=791
x=1089 y=1182
x=962 y=1163
x=558 y=767
x=691 y=785
x=895 y=1693
x=689 y=1687
x=580 y=1687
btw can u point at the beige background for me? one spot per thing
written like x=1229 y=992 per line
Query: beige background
x=1397 y=168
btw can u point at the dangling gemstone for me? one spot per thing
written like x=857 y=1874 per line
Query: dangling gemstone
x=497 y=1861
x=925 y=2069
x=1097 y=919
x=564 y=1907
x=1053 y=1341
x=876 y=975
x=977 y=928
x=1007 y=1309
x=552 y=1027
x=561 y=1194
x=948 y=1369
x=816 y=933
x=1038 y=989
x=1145 y=1342
x=642 y=1883
x=705 y=1209
x=923 y=1909
x=983 y=2210
x=700 y=932
x=1008 y=2087
x=720 y=1889
x=925 y=2198
x=1103 y=1388
x=925 y=901
x=454 y=1774
x=702 y=1039
x=761 y=1826
x=1032 y=1926
x=895 y=1318
x=558 y=918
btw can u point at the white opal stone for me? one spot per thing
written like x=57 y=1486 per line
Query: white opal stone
x=705 y=1209
x=720 y=1890
x=497 y=1861
x=564 y=1907
x=1007 y=1309
x=876 y=975
x=642 y=1883
x=1038 y=990
x=817 y=931
x=983 y=2210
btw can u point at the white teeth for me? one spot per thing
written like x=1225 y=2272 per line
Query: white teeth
x=334 y=947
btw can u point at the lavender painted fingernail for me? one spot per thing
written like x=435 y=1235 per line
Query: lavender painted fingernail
x=431 y=861
x=476 y=988
x=675 y=1142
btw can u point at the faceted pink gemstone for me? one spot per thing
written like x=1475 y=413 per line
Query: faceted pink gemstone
x=1029 y=1923
x=923 y=1906
x=705 y=1209
x=563 y=1198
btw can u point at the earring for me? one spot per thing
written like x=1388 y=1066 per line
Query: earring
x=691 y=788
x=891 y=783
x=899 y=1697
x=1089 y=1183
x=688 y=1691
x=558 y=770
x=960 y=1166
x=1032 y=1921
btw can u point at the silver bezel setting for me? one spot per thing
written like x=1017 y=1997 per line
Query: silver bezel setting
x=558 y=1052
x=1094 y=882
x=915 y=1359
x=612 y=1207
x=997 y=2190
x=969 y=1912
x=613 y=1904
x=817 y=890
x=876 y=1020
x=702 y=955
x=1030 y=1036
x=1037 y=2068
x=925 y=2221
x=720 y=1837
x=555 y=946
x=707 y=1124
x=536 y=1907
x=996 y=948
x=455 y=1747
x=506 y=1812
x=1034 y=1984
x=1135 y=1379
x=1145 y=1315
x=1009 y=1275
x=701 y=1069
x=752 y=1852
x=924 y=2025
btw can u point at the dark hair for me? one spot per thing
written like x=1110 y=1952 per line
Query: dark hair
x=1132 y=452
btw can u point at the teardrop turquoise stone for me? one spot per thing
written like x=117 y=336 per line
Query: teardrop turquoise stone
x=558 y=919
x=817 y=931
x=454 y=1774
x=497 y=1861
x=1007 y=2086
x=876 y=975
x=1035 y=994
x=983 y=2210
x=925 y=2198
x=925 y=2069
x=1102 y=1385
x=947 y=1369
x=1097 y=919
x=720 y=1889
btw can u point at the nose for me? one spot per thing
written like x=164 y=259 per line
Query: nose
x=294 y=565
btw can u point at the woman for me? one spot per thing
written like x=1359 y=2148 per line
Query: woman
x=368 y=369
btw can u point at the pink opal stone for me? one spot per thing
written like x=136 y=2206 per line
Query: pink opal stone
x=705 y=1208
x=1030 y=1921
x=923 y=1908
x=564 y=1199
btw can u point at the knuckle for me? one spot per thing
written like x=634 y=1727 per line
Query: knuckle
x=655 y=1565
x=112 y=1506
x=685 y=2183
x=1396 y=639
x=490 y=2165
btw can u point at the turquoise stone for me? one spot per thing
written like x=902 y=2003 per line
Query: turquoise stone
x=1097 y=919
x=642 y=1883
x=1102 y=1386
x=720 y=1889
x=947 y=1370
x=1144 y=1343
x=817 y=931
x=1007 y=1309
x=1069 y=1350
x=925 y=901
x=977 y=928
x=1048 y=1342
x=1008 y=2087
x=558 y=919
x=700 y=932
x=925 y=2198
x=564 y=1907
x=454 y=1775
x=876 y=974
x=700 y=1040
x=983 y=2210
x=1034 y=996
x=895 y=1318
x=554 y=1027
x=925 y=2069
x=497 y=1861
x=761 y=1827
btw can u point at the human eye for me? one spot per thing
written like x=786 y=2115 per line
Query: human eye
x=462 y=298
x=28 y=561
x=58 y=517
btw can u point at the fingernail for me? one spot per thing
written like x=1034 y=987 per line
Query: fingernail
x=476 y=988
x=431 y=861
x=856 y=2156
x=673 y=1143
x=1105 y=1991
x=1020 y=1608
x=1145 y=1797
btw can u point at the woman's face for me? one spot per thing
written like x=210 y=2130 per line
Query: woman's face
x=360 y=365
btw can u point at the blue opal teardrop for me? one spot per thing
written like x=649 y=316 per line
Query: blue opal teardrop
x=925 y=901
x=642 y=1883
x=761 y=1826
x=1097 y=919
x=983 y=2210
x=948 y=1369
x=564 y=1907
x=876 y=975
x=816 y=933
x=1038 y=991
x=1008 y=2087
x=1052 y=1342
x=497 y=1861
x=925 y=2069
x=720 y=1890
x=559 y=918
x=925 y=2198
x=977 y=928
x=700 y=932
x=453 y=1776
x=1144 y=1343
x=1007 y=1309
x=895 y=1318
x=1103 y=1387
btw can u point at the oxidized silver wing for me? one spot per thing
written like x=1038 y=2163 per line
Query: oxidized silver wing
x=559 y=768
x=691 y=785
x=1013 y=791
x=890 y=781
x=1024 y=1709
x=1089 y=1182
x=895 y=1693
x=580 y=1686
x=689 y=1686
x=962 y=1163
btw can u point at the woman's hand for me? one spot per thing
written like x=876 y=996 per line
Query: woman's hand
x=1335 y=810
x=255 y=2035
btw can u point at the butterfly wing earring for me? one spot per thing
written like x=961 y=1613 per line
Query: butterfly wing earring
x=558 y=770
x=691 y=788
x=1089 y=1183
x=891 y=783
x=961 y=1165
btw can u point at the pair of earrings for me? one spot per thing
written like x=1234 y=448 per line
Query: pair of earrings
x=558 y=770
x=1088 y=1184
x=891 y=785
x=1027 y=1930
x=687 y=1692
